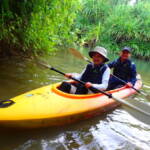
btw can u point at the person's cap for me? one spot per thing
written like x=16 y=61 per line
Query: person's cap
x=126 y=49
x=101 y=50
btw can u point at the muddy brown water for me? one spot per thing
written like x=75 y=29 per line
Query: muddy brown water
x=117 y=130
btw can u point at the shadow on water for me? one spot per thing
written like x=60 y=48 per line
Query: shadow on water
x=116 y=130
x=65 y=137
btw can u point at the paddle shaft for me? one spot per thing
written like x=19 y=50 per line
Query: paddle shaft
x=83 y=83
x=105 y=93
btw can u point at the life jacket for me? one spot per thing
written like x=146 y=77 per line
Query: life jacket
x=94 y=73
x=123 y=69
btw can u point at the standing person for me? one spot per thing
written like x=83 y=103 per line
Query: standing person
x=124 y=69
x=96 y=74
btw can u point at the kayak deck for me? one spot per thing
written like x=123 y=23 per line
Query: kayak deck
x=47 y=106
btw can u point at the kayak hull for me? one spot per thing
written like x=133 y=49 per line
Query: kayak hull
x=47 y=106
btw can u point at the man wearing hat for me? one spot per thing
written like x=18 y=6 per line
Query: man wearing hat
x=124 y=69
x=96 y=74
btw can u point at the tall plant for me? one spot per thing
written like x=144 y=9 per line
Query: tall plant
x=116 y=23
x=37 y=25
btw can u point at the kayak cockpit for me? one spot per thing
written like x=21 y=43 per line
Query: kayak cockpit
x=55 y=89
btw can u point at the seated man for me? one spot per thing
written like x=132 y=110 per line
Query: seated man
x=96 y=74
x=124 y=69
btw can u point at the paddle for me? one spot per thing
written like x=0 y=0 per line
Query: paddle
x=79 y=55
x=144 y=110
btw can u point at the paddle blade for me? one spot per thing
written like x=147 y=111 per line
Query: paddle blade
x=138 y=115
x=43 y=64
x=76 y=53
x=139 y=110
x=141 y=105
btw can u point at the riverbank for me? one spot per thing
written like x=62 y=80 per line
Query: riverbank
x=29 y=27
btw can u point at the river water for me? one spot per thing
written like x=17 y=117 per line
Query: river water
x=117 y=130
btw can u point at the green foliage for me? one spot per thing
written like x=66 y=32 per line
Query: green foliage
x=132 y=28
x=38 y=25
x=116 y=23
x=43 y=25
x=52 y=25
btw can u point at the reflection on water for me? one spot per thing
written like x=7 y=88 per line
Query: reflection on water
x=116 y=130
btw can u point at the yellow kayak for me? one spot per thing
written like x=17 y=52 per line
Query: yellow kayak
x=47 y=106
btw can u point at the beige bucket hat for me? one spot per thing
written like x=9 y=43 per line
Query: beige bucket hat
x=101 y=50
